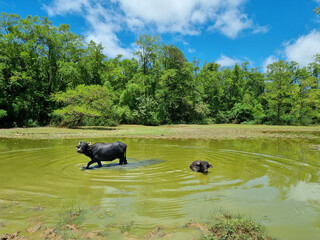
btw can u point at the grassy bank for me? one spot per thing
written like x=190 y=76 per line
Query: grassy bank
x=223 y=131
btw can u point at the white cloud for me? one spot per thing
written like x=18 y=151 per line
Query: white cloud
x=165 y=15
x=231 y=23
x=191 y=50
x=107 y=18
x=104 y=23
x=225 y=61
x=187 y=16
x=61 y=7
x=261 y=29
x=271 y=59
x=303 y=49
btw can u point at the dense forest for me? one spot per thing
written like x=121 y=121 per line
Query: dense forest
x=49 y=75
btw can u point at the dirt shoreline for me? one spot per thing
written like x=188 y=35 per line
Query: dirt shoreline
x=241 y=228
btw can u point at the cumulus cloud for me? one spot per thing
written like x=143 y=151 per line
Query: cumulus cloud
x=104 y=27
x=191 y=50
x=107 y=18
x=104 y=23
x=271 y=59
x=225 y=61
x=61 y=7
x=188 y=16
x=165 y=15
x=303 y=49
x=231 y=22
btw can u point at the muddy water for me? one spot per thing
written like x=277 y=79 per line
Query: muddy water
x=274 y=182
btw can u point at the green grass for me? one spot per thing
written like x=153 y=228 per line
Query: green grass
x=236 y=227
x=215 y=131
x=70 y=221
x=73 y=217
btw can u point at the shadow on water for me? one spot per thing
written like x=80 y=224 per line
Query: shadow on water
x=132 y=164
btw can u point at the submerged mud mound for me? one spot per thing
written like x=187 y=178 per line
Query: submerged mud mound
x=132 y=164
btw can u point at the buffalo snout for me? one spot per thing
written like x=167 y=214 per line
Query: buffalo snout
x=83 y=147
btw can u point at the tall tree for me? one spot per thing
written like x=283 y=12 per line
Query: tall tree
x=91 y=64
x=278 y=90
x=147 y=53
x=32 y=53
x=210 y=77
x=117 y=73
x=306 y=98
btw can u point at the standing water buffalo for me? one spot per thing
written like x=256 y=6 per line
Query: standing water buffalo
x=200 y=166
x=103 y=152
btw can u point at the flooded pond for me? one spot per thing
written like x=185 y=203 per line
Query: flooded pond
x=276 y=182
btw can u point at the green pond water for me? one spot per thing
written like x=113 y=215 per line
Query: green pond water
x=275 y=182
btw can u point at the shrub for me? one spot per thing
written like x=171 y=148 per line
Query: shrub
x=228 y=227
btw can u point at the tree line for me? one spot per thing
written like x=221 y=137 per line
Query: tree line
x=49 y=75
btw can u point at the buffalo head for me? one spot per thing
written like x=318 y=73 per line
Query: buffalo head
x=200 y=166
x=83 y=147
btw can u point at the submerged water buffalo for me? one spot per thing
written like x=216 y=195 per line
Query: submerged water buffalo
x=200 y=166
x=103 y=152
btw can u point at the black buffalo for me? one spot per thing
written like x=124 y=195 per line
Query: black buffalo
x=200 y=166
x=103 y=152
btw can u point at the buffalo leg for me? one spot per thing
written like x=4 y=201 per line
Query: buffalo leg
x=125 y=157
x=89 y=163
x=123 y=160
x=99 y=163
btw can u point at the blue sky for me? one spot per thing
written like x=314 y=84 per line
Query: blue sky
x=223 y=31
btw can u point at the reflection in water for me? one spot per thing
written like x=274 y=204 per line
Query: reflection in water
x=272 y=180
x=304 y=192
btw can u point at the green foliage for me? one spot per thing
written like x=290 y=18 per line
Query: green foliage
x=147 y=53
x=85 y=105
x=278 y=89
x=237 y=228
x=249 y=110
x=147 y=111
x=34 y=56
x=292 y=94
x=48 y=74
x=3 y=113
x=228 y=226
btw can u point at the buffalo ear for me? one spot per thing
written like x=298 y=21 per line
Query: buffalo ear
x=210 y=166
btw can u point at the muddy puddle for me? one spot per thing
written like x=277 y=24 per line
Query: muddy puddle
x=45 y=188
